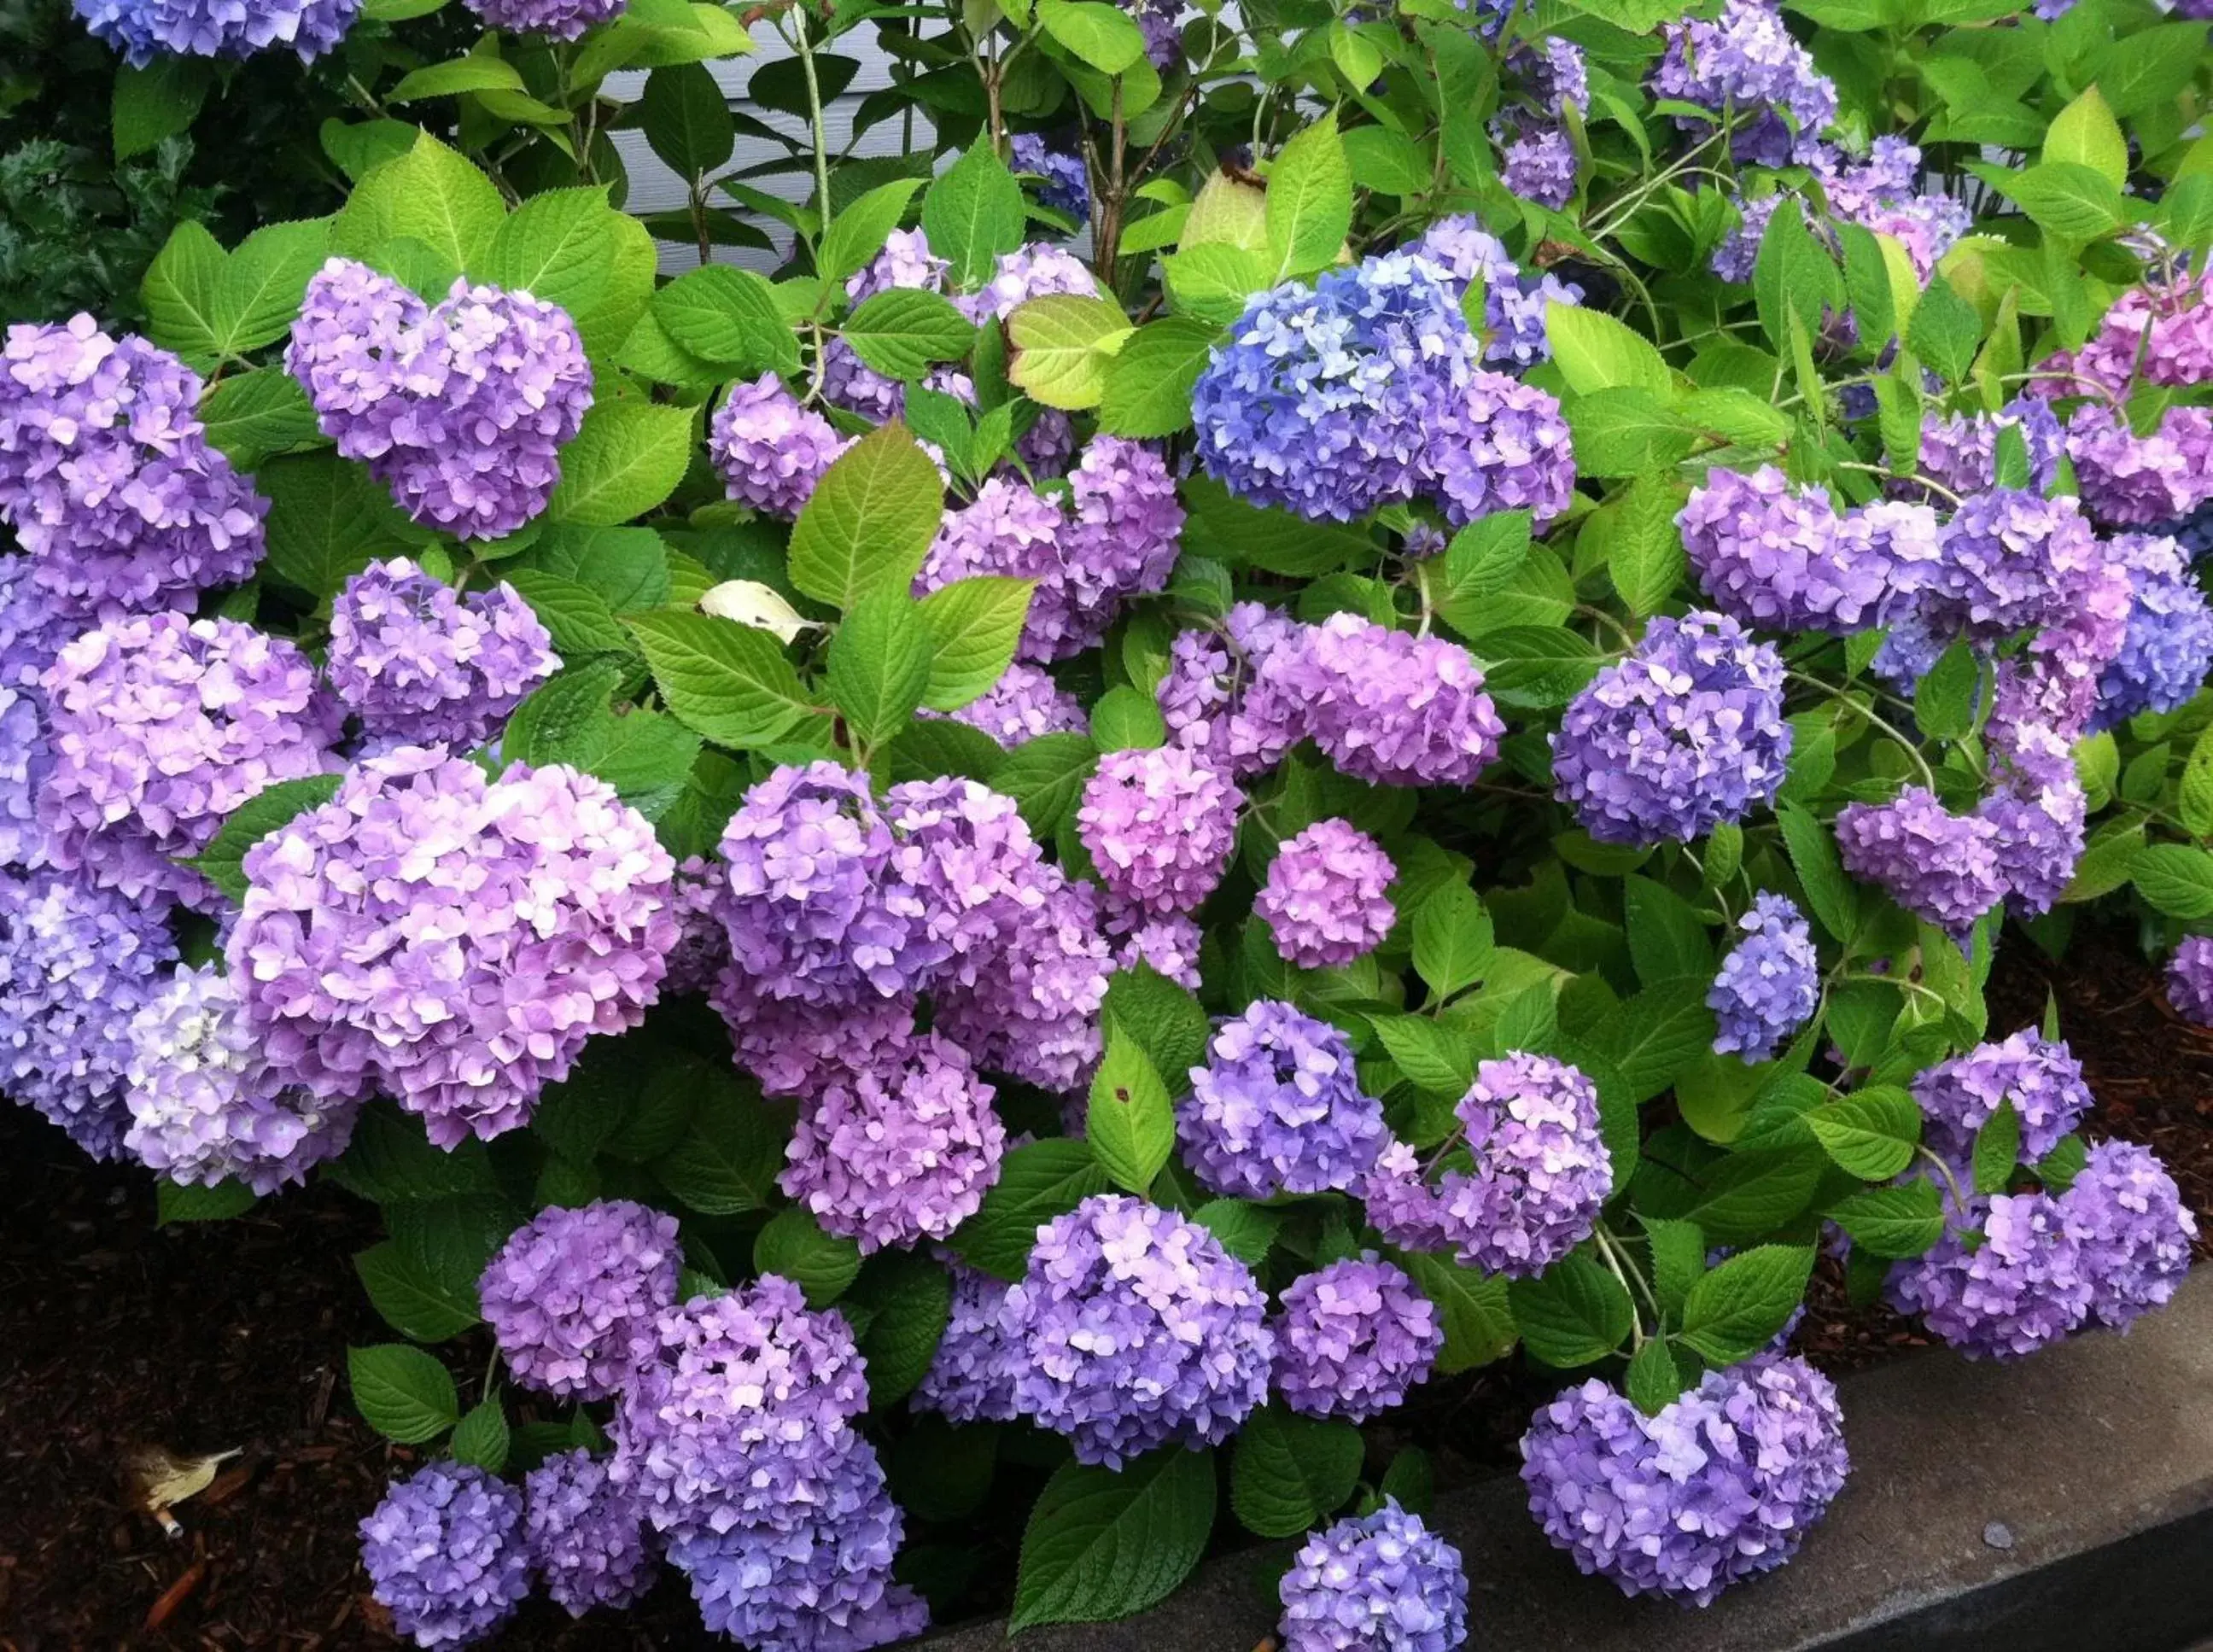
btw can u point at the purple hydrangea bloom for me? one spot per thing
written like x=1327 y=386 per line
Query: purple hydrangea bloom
x=25 y=759
x=1160 y=826
x=1502 y=446
x=2021 y=1287
x=770 y=451
x=2138 y=481
x=1738 y=254
x=813 y=1576
x=573 y=1296
x=421 y=664
x=1385 y=705
x=205 y=1107
x=969 y=1378
x=1125 y=528
x=1168 y=943
x=1352 y=1338
x=1034 y=269
x=974 y=869
x=1131 y=1329
x=107 y=478
x=743 y=1409
x=1539 y=166
x=162 y=726
x=1326 y=899
x=77 y=963
x=563 y=20
x=144 y=29
x=1536 y=1174
x=587 y=1540
x=449 y=939
x=2039 y=1077
x=905 y=261
x=812 y=913
x=2169 y=645
x=1323 y=400
x=897 y=1152
x=445 y=1554
x=1683 y=734
x=1010 y=530
x=1022 y=704
x=1958 y=451
x=1063 y=184
x=2008 y=560
x=2038 y=837
x=2161 y=333
x=1233 y=697
x=1746 y=61
x=1769 y=984
x=2190 y=979
x=792 y=1046
x=1383 y=1583
x=1278 y=1107
x=1882 y=195
x=1514 y=303
x=460 y=410
x=1778 y=557
x=1722 y=1485
x=2136 y=1231
x=1938 y=866
x=1034 y=1016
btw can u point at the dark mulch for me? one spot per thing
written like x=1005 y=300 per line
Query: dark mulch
x=116 y=1334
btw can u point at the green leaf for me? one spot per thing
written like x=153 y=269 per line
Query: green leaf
x=1432 y=1056
x=1829 y=892
x=1793 y=276
x=1246 y=1231
x=727 y=1161
x=2058 y=1168
x=1309 y=202
x=626 y=567
x=1595 y=352
x=1679 y=1260
x=1127 y=719
x=1129 y=1124
x=1738 y=1308
x=433 y=195
x=222 y=863
x=1481 y=561
x=687 y=116
x=455 y=76
x=972 y=214
x=1944 y=698
x=411 y=1301
x=252 y=416
x=1044 y=776
x=2175 y=878
x=869 y=521
x=1099 y=35
x=2067 y=199
x=728 y=681
x=974 y=626
x=404 y=1393
x=1751 y=1194
x=857 y=233
x=1290 y=1472
x=1062 y=344
x=1657 y=1034
x=794 y=1246
x=1623 y=430
x=1891 y=1223
x=1102 y=1544
x=263 y=282
x=880 y=666
x=901 y=332
x=200 y=1202
x=156 y=102
x=646 y=756
x=1149 y=380
x=1573 y=1313
x=1667 y=938
x=2086 y=133
x=1652 y=1382
x=1478 y=1322
x=1454 y=942
x=581 y=623
x=481 y=1438
x=391 y=1161
x=1038 y=1181
x=1997 y=1149
x=1161 y=1017
x=728 y=317
x=1870 y=1133
x=627 y=458
x=179 y=292
x=1945 y=331
x=1210 y=281
x=1644 y=552
x=909 y=1300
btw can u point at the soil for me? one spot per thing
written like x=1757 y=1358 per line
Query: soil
x=116 y=1334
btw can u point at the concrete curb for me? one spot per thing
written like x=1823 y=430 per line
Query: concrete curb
x=2095 y=1458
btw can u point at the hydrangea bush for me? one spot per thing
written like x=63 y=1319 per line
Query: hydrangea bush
x=1306 y=703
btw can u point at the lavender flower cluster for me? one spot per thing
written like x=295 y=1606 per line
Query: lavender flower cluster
x=421 y=664
x=1383 y=1583
x=144 y=29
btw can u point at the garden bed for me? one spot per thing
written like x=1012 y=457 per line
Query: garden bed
x=234 y=1336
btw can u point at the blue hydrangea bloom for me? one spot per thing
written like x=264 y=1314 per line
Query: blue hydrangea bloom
x=1769 y=985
